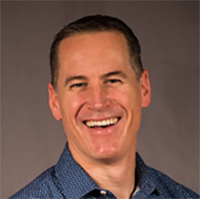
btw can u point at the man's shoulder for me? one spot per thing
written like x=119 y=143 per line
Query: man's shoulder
x=166 y=186
x=43 y=186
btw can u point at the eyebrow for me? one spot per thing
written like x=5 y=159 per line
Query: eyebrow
x=119 y=73
x=104 y=76
x=79 y=77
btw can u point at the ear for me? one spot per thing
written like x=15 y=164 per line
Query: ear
x=54 y=103
x=145 y=88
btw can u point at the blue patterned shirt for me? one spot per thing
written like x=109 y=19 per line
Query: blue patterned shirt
x=67 y=180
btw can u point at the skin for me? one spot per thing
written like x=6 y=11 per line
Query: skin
x=96 y=82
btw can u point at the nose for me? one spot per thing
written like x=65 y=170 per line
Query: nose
x=97 y=98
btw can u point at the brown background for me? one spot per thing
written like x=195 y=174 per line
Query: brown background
x=32 y=141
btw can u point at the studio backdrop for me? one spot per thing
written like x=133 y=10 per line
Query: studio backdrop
x=32 y=141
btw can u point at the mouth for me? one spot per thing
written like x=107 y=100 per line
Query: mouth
x=102 y=123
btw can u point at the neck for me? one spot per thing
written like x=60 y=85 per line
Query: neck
x=117 y=177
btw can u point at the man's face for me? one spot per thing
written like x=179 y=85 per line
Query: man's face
x=99 y=98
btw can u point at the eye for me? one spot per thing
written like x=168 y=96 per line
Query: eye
x=113 y=81
x=78 y=85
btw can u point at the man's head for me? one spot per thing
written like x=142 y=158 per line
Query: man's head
x=96 y=23
x=99 y=97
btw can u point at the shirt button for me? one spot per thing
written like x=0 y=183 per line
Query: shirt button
x=103 y=192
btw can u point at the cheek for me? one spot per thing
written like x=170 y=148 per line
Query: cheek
x=131 y=102
x=128 y=98
x=71 y=105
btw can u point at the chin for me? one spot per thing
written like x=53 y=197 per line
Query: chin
x=105 y=152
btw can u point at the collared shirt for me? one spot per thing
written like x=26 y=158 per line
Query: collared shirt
x=67 y=180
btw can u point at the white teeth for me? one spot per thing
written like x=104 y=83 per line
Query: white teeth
x=111 y=121
x=102 y=122
x=115 y=120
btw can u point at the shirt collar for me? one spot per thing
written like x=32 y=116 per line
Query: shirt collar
x=74 y=181
x=144 y=179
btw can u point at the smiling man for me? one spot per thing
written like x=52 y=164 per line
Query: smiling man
x=98 y=90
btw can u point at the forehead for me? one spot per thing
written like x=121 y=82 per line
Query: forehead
x=99 y=49
x=106 y=40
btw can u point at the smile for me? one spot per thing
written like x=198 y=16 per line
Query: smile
x=102 y=123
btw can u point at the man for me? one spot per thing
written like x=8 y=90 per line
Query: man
x=98 y=90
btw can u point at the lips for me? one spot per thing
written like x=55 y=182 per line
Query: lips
x=102 y=123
